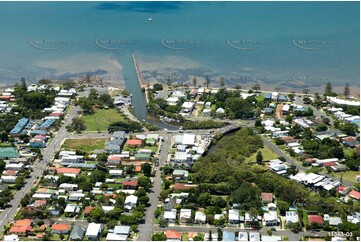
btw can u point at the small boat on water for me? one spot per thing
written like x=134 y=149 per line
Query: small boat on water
x=150 y=19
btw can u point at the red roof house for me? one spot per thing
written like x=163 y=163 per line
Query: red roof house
x=39 y=203
x=88 y=209
x=172 y=234
x=21 y=227
x=329 y=164
x=130 y=184
x=267 y=197
x=315 y=219
x=64 y=170
x=342 y=189
x=60 y=228
x=354 y=194
x=134 y=142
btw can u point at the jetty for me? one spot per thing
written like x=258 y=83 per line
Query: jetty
x=140 y=79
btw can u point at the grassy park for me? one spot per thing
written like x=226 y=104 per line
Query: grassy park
x=100 y=120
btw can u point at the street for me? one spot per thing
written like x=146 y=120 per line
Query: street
x=290 y=161
x=8 y=214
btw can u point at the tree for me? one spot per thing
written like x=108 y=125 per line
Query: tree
x=159 y=237
x=328 y=88
x=98 y=176
x=195 y=81
x=2 y=165
x=163 y=223
x=295 y=227
x=144 y=182
x=257 y=87
x=157 y=87
x=208 y=81
x=204 y=199
x=4 y=136
x=61 y=202
x=346 y=90
x=97 y=214
x=147 y=169
x=326 y=120
x=221 y=82
x=259 y=158
x=283 y=207
x=305 y=91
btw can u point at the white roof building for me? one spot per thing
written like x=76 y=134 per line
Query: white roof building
x=11 y=237
x=170 y=215
x=93 y=230
x=200 y=217
x=292 y=217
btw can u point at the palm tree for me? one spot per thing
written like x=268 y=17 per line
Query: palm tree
x=305 y=91
x=195 y=81
x=207 y=81
x=221 y=81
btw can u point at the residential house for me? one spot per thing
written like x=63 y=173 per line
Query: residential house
x=254 y=236
x=354 y=195
x=200 y=217
x=242 y=236
x=332 y=221
x=114 y=160
x=315 y=219
x=228 y=236
x=182 y=174
x=60 y=228
x=130 y=202
x=291 y=217
x=185 y=215
x=233 y=216
x=170 y=216
x=130 y=184
x=77 y=233
x=11 y=237
x=37 y=143
x=350 y=141
x=267 y=197
x=187 y=107
x=134 y=142
x=173 y=235
x=354 y=218
x=21 y=227
x=270 y=218
x=93 y=231
x=343 y=190
x=115 y=173
x=120 y=233
x=8 y=179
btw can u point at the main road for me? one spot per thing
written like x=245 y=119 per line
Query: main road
x=146 y=229
x=8 y=214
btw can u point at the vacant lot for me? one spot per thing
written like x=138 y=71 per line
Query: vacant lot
x=86 y=145
x=347 y=175
x=100 y=120
x=267 y=155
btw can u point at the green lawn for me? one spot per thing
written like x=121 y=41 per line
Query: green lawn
x=153 y=148
x=347 y=175
x=267 y=153
x=260 y=98
x=100 y=120
x=87 y=145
